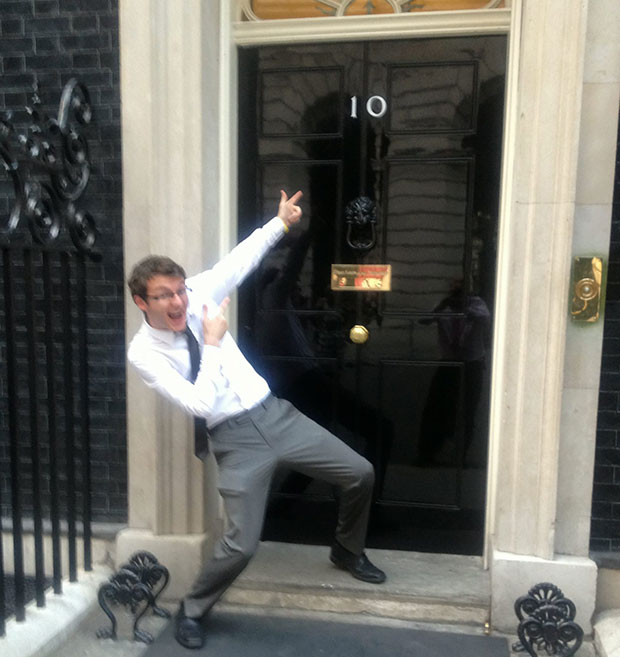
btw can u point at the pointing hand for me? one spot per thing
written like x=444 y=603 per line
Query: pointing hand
x=288 y=210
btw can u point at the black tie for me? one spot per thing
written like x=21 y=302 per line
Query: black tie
x=201 y=435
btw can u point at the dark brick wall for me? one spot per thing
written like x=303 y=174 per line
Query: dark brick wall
x=58 y=40
x=605 y=534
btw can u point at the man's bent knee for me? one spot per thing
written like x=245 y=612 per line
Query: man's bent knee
x=365 y=474
x=239 y=555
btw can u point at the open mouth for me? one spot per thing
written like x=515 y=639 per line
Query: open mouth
x=176 y=319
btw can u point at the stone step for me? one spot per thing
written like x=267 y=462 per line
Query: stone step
x=425 y=588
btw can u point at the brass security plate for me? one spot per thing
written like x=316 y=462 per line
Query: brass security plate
x=586 y=289
x=362 y=278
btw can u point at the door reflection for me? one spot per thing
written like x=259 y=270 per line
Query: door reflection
x=463 y=334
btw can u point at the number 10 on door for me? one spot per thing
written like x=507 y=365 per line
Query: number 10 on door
x=376 y=106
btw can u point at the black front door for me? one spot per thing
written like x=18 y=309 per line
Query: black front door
x=396 y=146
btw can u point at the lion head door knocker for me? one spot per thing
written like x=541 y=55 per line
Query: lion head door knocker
x=361 y=219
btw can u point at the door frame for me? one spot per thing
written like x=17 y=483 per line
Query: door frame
x=236 y=34
x=370 y=28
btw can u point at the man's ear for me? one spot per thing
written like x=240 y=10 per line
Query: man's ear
x=140 y=302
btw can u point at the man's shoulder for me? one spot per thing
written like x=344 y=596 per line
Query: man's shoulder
x=200 y=284
x=137 y=343
x=143 y=342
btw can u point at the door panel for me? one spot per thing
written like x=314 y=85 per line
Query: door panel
x=414 y=126
x=430 y=97
x=288 y=93
x=427 y=208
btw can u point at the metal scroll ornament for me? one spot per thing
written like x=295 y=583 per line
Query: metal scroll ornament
x=546 y=623
x=49 y=167
x=361 y=219
x=136 y=586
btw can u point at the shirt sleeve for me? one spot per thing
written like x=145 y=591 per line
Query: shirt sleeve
x=198 y=398
x=233 y=268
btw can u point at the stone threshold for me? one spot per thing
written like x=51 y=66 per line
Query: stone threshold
x=426 y=588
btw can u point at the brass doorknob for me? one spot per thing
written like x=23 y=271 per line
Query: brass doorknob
x=359 y=334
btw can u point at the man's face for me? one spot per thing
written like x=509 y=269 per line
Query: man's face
x=165 y=305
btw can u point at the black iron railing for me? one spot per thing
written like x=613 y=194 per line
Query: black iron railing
x=45 y=243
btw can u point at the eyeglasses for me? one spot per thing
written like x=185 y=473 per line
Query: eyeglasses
x=168 y=296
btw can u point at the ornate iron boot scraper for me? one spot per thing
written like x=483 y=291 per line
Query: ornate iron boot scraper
x=547 y=623
x=136 y=585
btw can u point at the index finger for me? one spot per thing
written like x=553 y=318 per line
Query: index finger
x=296 y=196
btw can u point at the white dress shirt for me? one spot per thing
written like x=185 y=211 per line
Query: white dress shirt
x=226 y=384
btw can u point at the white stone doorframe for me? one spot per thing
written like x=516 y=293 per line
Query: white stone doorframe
x=178 y=82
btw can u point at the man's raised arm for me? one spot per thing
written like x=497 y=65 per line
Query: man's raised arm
x=233 y=268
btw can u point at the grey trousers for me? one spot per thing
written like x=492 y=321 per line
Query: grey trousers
x=247 y=449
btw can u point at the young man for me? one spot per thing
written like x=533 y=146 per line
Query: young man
x=250 y=431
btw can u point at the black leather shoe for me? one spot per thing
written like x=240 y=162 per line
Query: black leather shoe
x=358 y=565
x=189 y=631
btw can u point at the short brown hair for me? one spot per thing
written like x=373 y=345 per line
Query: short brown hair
x=151 y=266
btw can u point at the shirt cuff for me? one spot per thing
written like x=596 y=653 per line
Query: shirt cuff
x=275 y=226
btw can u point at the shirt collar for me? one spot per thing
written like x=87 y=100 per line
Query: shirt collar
x=163 y=335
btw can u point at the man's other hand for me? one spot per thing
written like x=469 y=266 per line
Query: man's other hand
x=215 y=327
